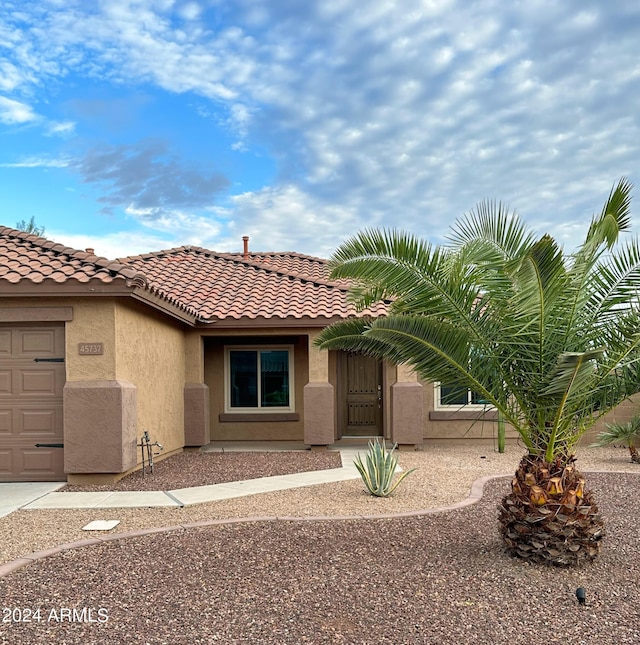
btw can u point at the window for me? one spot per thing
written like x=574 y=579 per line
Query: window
x=258 y=379
x=455 y=396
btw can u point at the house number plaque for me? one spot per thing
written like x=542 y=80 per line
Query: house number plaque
x=90 y=349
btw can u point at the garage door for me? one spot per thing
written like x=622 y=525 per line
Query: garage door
x=31 y=402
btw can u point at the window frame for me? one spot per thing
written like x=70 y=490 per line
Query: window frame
x=438 y=405
x=259 y=409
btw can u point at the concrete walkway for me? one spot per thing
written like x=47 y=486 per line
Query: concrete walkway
x=44 y=495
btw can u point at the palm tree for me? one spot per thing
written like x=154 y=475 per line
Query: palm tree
x=622 y=432
x=549 y=340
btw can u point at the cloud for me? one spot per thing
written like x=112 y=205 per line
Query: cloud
x=10 y=76
x=287 y=218
x=405 y=115
x=60 y=128
x=14 y=112
x=114 y=245
x=37 y=162
x=146 y=178
x=183 y=227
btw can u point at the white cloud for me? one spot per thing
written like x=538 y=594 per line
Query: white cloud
x=287 y=218
x=37 y=162
x=406 y=114
x=179 y=226
x=10 y=76
x=190 y=11
x=14 y=112
x=60 y=128
x=113 y=245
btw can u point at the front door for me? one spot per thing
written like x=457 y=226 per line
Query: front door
x=361 y=396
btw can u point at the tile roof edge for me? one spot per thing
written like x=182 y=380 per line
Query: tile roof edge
x=113 y=266
x=150 y=294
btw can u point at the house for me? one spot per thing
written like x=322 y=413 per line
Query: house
x=192 y=346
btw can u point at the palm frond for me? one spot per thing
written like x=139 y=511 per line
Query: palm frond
x=551 y=341
x=490 y=233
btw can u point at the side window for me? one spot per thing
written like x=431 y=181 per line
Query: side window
x=455 y=396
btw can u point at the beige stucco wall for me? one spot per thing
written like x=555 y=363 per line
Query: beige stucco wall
x=621 y=414
x=194 y=356
x=262 y=430
x=150 y=353
x=484 y=430
x=93 y=322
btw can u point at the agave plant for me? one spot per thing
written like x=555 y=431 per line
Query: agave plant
x=379 y=470
x=550 y=340
x=627 y=433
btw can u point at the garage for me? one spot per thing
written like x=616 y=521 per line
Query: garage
x=32 y=377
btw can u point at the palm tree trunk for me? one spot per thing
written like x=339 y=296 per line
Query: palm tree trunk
x=550 y=516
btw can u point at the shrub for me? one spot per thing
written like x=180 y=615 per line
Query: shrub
x=618 y=432
x=380 y=467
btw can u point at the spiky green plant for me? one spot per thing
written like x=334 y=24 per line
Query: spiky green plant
x=379 y=470
x=619 y=432
x=550 y=340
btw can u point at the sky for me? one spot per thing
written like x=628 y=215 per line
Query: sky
x=131 y=126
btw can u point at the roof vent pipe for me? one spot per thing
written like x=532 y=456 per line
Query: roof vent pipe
x=245 y=251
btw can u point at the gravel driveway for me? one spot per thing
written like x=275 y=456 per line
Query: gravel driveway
x=441 y=578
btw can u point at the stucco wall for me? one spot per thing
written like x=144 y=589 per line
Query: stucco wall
x=194 y=356
x=262 y=429
x=621 y=414
x=93 y=322
x=150 y=353
x=454 y=430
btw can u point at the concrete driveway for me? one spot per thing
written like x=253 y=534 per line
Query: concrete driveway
x=14 y=495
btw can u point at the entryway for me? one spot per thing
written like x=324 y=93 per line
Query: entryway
x=359 y=396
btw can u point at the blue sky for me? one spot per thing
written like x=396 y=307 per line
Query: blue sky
x=131 y=126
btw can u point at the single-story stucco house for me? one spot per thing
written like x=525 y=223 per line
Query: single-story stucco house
x=192 y=346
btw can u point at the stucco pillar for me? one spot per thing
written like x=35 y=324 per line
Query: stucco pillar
x=319 y=400
x=407 y=409
x=100 y=419
x=196 y=415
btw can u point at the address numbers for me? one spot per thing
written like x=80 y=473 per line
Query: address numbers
x=90 y=349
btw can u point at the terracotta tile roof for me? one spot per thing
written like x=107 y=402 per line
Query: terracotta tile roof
x=206 y=285
x=272 y=285
x=24 y=256
x=29 y=259
x=296 y=264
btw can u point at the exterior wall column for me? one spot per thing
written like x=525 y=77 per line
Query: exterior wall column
x=197 y=418
x=319 y=399
x=100 y=410
x=100 y=422
x=407 y=409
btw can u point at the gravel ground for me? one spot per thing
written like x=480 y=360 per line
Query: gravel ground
x=201 y=469
x=441 y=578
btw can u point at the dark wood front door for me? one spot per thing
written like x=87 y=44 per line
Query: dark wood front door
x=361 y=396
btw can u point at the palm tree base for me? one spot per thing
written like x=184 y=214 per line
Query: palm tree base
x=549 y=516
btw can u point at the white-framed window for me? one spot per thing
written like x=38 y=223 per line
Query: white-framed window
x=449 y=397
x=259 y=379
